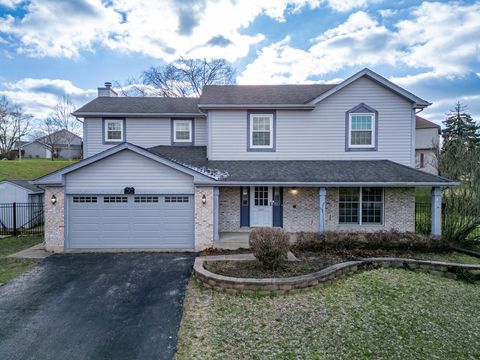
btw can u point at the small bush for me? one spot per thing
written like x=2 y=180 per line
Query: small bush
x=270 y=246
x=395 y=240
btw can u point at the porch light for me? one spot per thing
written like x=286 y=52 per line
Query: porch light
x=294 y=191
x=204 y=199
x=53 y=199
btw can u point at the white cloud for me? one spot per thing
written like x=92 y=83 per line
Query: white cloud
x=346 y=5
x=438 y=39
x=39 y=96
x=10 y=3
x=162 y=29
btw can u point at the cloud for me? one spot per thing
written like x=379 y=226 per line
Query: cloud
x=39 y=96
x=10 y=3
x=219 y=40
x=438 y=39
x=164 y=29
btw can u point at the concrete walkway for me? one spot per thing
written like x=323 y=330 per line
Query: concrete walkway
x=35 y=252
x=240 y=257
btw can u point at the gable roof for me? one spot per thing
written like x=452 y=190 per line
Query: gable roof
x=417 y=102
x=422 y=123
x=214 y=96
x=26 y=184
x=138 y=106
x=56 y=177
x=319 y=172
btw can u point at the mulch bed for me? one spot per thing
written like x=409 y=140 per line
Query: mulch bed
x=253 y=268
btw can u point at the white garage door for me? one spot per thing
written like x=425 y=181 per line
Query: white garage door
x=130 y=221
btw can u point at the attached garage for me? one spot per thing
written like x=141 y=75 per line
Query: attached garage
x=130 y=221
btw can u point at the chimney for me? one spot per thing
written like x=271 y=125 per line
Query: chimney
x=106 y=91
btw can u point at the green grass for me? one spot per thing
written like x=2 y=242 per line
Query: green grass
x=384 y=313
x=30 y=168
x=423 y=195
x=10 y=267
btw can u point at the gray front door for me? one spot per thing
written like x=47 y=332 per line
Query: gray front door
x=130 y=221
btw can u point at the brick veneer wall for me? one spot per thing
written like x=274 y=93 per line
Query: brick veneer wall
x=399 y=211
x=203 y=218
x=301 y=210
x=54 y=219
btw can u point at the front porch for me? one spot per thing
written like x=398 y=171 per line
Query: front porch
x=237 y=210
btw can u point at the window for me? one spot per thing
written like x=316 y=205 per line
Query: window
x=84 y=199
x=182 y=131
x=146 y=199
x=114 y=130
x=261 y=196
x=261 y=131
x=422 y=160
x=360 y=206
x=115 y=199
x=362 y=130
x=176 y=199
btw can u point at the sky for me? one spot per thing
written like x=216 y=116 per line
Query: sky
x=49 y=48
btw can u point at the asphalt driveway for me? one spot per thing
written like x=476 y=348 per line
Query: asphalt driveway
x=95 y=306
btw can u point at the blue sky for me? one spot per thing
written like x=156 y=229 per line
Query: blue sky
x=49 y=47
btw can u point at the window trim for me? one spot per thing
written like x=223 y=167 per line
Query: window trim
x=182 y=142
x=361 y=109
x=360 y=209
x=273 y=130
x=105 y=122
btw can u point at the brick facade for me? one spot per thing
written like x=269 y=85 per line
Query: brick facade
x=203 y=218
x=301 y=210
x=54 y=219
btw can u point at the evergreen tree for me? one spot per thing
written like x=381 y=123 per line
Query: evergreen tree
x=460 y=125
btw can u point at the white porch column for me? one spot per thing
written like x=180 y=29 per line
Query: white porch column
x=322 y=197
x=215 y=213
x=436 y=212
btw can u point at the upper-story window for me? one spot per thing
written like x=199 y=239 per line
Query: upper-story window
x=114 y=130
x=261 y=131
x=182 y=131
x=362 y=130
x=361 y=123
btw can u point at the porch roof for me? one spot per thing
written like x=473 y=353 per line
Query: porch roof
x=326 y=172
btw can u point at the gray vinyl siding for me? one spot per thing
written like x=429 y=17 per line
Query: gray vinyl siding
x=200 y=132
x=10 y=193
x=320 y=134
x=144 y=132
x=126 y=169
x=34 y=150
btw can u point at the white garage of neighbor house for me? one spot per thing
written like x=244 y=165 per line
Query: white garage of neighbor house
x=124 y=197
x=19 y=192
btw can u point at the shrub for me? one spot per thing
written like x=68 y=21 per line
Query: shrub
x=395 y=240
x=270 y=246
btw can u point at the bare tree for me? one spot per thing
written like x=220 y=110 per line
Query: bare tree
x=63 y=119
x=14 y=124
x=183 y=77
x=51 y=135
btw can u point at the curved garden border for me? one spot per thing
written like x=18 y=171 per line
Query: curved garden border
x=327 y=275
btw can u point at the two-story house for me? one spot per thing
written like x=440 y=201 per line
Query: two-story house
x=191 y=173
x=427 y=143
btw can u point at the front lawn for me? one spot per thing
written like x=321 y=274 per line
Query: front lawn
x=30 y=168
x=11 y=267
x=384 y=313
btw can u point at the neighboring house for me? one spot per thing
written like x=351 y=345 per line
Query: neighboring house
x=427 y=142
x=20 y=192
x=56 y=143
x=191 y=173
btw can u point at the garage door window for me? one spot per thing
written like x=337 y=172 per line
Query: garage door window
x=146 y=199
x=176 y=199
x=84 y=199
x=115 y=199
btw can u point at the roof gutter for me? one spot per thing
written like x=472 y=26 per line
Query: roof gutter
x=326 y=184
x=107 y=114
x=257 y=106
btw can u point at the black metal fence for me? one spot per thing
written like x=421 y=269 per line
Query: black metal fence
x=21 y=219
x=423 y=218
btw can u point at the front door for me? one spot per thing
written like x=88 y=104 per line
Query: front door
x=261 y=206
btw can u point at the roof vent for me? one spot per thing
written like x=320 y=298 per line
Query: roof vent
x=108 y=85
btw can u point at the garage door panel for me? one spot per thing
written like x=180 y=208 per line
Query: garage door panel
x=131 y=221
